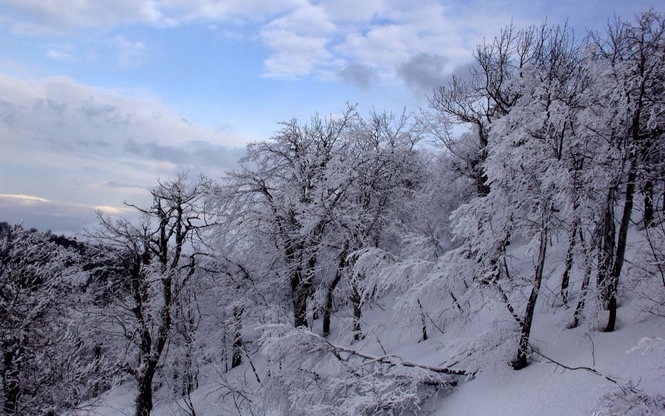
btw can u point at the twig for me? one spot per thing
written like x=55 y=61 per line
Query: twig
x=593 y=350
x=256 y=374
x=589 y=369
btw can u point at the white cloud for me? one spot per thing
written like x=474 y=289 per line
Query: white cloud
x=79 y=136
x=24 y=199
x=294 y=55
x=299 y=42
x=227 y=10
x=338 y=36
x=319 y=37
x=304 y=37
x=391 y=38
x=59 y=55
x=62 y=111
x=49 y=16
x=129 y=53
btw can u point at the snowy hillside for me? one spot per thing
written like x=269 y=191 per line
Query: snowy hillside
x=571 y=376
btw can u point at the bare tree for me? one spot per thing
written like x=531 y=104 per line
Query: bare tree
x=160 y=256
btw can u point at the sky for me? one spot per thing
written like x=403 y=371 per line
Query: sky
x=100 y=99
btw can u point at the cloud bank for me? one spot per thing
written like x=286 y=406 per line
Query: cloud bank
x=359 y=42
x=329 y=39
x=68 y=148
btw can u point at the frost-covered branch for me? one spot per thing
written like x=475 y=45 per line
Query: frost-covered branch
x=391 y=359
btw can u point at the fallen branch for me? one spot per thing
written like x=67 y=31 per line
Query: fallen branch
x=392 y=360
x=589 y=369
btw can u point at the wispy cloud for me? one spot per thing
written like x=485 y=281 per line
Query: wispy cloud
x=59 y=55
x=70 y=115
x=129 y=53
x=50 y=16
x=132 y=189
x=20 y=198
x=299 y=41
x=109 y=210
x=57 y=216
x=303 y=37
x=47 y=17
x=370 y=44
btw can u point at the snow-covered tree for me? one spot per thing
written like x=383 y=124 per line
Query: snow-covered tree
x=386 y=171
x=158 y=259
x=48 y=365
x=529 y=166
x=288 y=189
x=489 y=94
x=627 y=68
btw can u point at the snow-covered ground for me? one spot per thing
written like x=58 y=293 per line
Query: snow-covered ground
x=544 y=388
x=547 y=389
x=572 y=371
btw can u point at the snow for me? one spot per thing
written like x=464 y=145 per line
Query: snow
x=547 y=389
x=632 y=355
x=543 y=388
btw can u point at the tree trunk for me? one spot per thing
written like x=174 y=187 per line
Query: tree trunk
x=301 y=287
x=523 y=347
x=10 y=377
x=622 y=240
x=581 y=301
x=299 y=299
x=144 y=397
x=423 y=321
x=357 y=313
x=236 y=359
x=565 y=278
x=648 y=204
x=647 y=189
x=607 y=248
x=482 y=182
x=98 y=357
x=327 y=310
x=585 y=284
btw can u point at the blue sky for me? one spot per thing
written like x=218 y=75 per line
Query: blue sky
x=100 y=98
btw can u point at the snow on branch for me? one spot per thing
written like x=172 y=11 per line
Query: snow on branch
x=315 y=376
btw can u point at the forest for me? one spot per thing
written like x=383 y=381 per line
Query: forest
x=530 y=187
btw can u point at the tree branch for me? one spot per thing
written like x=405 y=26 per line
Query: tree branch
x=392 y=360
x=588 y=369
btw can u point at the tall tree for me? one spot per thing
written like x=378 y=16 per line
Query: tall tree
x=489 y=94
x=288 y=188
x=384 y=170
x=159 y=257
x=628 y=67
x=529 y=164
